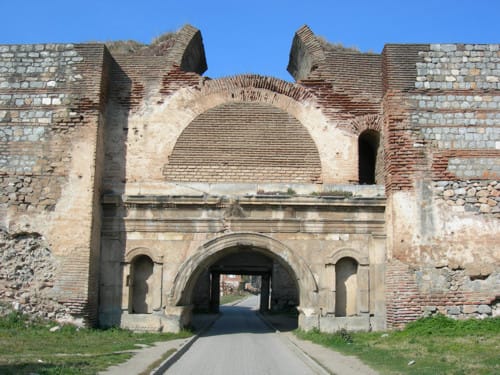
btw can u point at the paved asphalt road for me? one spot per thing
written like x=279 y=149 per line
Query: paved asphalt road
x=240 y=343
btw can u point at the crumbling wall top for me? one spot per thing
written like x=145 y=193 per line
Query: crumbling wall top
x=183 y=48
x=347 y=70
x=306 y=53
x=188 y=51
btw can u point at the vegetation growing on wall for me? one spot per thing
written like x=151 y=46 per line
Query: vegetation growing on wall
x=158 y=46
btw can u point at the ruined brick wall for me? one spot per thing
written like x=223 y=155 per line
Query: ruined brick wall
x=347 y=85
x=154 y=98
x=151 y=131
x=73 y=116
x=425 y=290
x=169 y=116
x=51 y=105
x=139 y=81
x=442 y=165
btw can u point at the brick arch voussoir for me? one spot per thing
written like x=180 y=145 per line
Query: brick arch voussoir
x=246 y=88
x=367 y=122
x=253 y=82
x=209 y=93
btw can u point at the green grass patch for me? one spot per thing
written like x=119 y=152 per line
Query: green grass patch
x=437 y=345
x=231 y=298
x=29 y=347
x=333 y=193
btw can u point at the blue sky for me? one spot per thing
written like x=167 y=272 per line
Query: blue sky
x=253 y=36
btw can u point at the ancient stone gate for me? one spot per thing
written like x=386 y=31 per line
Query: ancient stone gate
x=365 y=194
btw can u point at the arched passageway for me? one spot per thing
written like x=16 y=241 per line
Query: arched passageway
x=293 y=287
x=278 y=288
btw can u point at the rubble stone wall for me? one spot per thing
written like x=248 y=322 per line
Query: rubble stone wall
x=470 y=196
x=424 y=290
x=444 y=214
x=28 y=275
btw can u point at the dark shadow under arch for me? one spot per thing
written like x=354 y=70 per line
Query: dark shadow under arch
x=368 y=146
x=220 y=247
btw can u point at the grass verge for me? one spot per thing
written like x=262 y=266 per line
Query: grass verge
x=231 y=298
x=158 y=362
x=437 y=345
x=29 y=347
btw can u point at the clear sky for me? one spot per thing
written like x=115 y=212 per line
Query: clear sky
x=253 y=36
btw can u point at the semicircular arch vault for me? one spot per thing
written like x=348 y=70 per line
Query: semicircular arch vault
x=189 y=271
x=244 y=142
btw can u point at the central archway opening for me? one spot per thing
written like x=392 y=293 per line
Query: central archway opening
x=234 y=287
x=251 y=271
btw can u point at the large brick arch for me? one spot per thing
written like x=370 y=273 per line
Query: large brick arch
x=191 y=102
x=244 y=141
x=212 y=250
x=258 y=82
x=177 y=111
x=157 y=128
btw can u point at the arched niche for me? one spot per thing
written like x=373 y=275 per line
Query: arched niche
x=348 y=276
x=346 y=287
x=141 y=284
x=160 y=127
x=142 y=281
x=137 y=251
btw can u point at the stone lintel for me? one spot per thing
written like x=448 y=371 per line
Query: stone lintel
x=170 y=201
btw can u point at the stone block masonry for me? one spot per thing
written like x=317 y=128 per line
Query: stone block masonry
x=467 y=168
x=451 y=127
x=459 y=67
x=35 y=94
x=459 y=110
x=50 y=109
